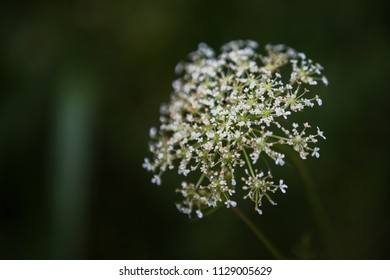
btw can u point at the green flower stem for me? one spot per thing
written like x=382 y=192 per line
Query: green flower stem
x=200 y=181
x=315 y=202
x=248 y=162
x=266 y=242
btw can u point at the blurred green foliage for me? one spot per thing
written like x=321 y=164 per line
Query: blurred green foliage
x=81 y=83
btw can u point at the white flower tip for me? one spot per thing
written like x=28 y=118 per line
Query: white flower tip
x=199 y=214
x=156 y=180
x=176 y=84
x=259 y=212
x=325 y=80
x=231 y=203
x=153 y=132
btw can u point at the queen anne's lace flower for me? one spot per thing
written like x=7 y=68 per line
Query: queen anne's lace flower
x=228 y=111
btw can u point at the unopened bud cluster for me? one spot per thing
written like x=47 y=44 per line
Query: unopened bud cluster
x=227 y=112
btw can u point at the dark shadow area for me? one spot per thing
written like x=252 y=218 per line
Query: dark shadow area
x=82 y=82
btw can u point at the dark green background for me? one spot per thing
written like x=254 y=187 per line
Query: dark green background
x=81 y=83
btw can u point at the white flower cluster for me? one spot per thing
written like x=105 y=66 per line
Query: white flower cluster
x=226 y=112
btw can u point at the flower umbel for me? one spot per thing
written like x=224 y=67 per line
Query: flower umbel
x=227 y=112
